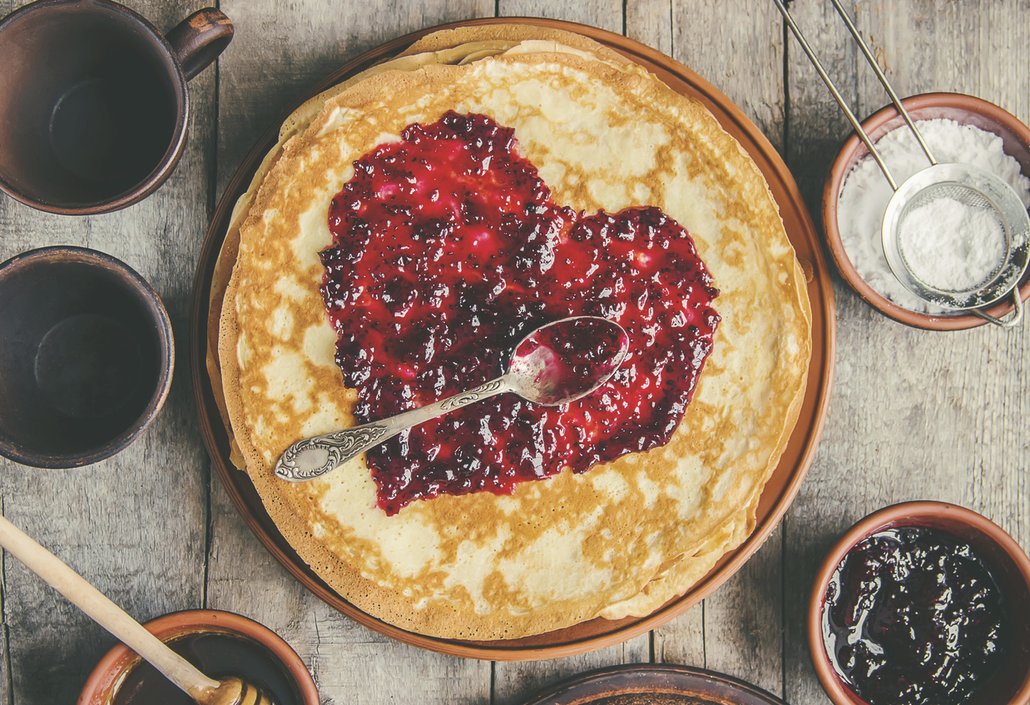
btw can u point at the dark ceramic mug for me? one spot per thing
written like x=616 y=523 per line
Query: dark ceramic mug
x=93 y=101
x=86 y=356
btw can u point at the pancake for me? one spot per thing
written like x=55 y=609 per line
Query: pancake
x=456 y=47
x=620 y=539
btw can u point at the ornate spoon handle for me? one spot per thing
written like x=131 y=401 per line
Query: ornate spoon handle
x=314 y=457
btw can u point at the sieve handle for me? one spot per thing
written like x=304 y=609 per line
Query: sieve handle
x=882 y=78
x=1014 y=319
x=806 y=47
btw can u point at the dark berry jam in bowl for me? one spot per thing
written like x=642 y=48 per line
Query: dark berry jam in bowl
x=923 y=603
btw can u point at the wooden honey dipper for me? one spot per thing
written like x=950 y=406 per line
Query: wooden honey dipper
x=204 y=690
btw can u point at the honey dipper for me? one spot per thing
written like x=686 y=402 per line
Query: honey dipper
x=204 y=690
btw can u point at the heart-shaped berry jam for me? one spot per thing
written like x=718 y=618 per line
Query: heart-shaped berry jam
x=447 y=249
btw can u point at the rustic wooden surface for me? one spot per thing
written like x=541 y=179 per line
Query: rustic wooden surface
x=914 y=414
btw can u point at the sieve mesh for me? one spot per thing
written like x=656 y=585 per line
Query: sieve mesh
x=967 y=196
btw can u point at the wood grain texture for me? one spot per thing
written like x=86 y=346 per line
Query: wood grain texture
x=133 y=525
x=651 y=22
x=606 y=14
x=513 y=681
x=281 y=49
x=738 y=46
x=914 y=414
x=681 y=641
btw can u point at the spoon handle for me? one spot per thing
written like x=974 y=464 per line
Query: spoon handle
x=106 y=613
x=314 y=457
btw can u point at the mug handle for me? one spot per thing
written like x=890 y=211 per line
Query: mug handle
x=199 y=39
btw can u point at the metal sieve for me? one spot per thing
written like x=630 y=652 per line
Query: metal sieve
x=975 y=189
x=969 y=185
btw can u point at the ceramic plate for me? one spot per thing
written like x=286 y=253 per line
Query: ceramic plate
x=782 y=486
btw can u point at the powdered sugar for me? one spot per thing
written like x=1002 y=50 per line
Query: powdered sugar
x=865 y=194
x=952 y=246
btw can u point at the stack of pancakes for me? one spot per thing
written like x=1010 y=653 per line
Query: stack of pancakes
x=624 y=537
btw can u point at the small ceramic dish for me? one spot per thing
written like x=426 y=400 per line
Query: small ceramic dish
x=86 y=356
x=1008 y=563
x=657 y=683
x=235 y=643
x=964 y=109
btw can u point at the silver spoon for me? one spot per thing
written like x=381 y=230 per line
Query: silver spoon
x=538 y=372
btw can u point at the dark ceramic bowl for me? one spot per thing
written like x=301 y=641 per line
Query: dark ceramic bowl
x=964 y=109
x=283 y=674
x=1009 y=564
x=86 y=356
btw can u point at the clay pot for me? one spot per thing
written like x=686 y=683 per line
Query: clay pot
x=85 y=360
x=1008 y=563
x=964 y=109
x=113 y=668
x=93 y=101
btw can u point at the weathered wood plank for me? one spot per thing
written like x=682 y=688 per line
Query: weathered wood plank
x=606 y=14
x=280 y=51
x=682 y=641
x=515 y=682
x=815 y=129
x=738 y=47
x=650 y=22
x=134 y=525
x=914 y=414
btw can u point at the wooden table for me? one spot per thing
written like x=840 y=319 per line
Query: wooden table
x=914 y=414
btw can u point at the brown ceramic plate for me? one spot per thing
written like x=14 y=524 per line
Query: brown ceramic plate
x=653 y=684
x=778 y=494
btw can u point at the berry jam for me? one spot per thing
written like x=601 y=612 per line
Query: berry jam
x=569 y=358
x=447 y=250
x=913 y=617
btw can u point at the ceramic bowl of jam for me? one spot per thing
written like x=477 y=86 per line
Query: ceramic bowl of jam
x=963 y=109
x=220 y=644
x=923 y=603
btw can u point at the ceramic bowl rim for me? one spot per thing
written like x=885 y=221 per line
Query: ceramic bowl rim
x=108 y=672
x=898 y=515
x=835 y=180
x=166 y=342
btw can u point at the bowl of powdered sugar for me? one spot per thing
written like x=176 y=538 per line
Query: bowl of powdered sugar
x=946 y=241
